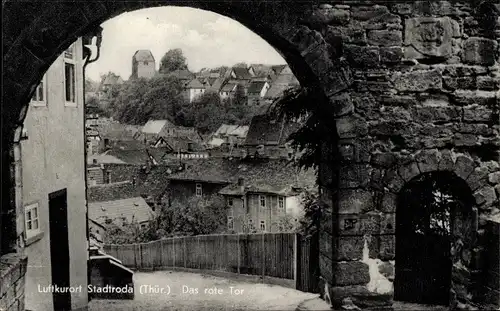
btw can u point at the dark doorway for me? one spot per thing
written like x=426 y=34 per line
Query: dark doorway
x=427 y=212
x=59 y=248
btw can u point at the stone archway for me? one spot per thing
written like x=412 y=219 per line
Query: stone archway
x=399 y=76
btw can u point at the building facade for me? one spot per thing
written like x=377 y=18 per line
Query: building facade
x=53 y=186
x=143 y=64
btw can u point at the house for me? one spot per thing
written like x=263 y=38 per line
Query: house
x=143 y=64
x=183 y=75
x=241 y=73
x=283 y=81
x=193 y=90
x=181 y=148
x=120 y=212
x=268 y=137
x=260 y=70
x=256 y=91
x=52 y=195
x=262 y=191
x=231 y=135
x=153 y=129
x=227 y=90
x=109 y=81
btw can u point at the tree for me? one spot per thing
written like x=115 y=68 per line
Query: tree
x=173 y=60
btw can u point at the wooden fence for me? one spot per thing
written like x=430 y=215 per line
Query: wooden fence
x=277 y=255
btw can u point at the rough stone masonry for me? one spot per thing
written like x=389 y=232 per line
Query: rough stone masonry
x=414 y=87
x=425 y=98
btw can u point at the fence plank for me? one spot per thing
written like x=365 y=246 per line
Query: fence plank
x=278 y=255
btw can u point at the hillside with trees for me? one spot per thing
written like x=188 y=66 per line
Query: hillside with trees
x=139 y=100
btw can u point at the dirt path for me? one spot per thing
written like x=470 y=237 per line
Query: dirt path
x=213 y=293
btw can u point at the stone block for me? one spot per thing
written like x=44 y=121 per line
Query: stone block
x=476 y=113
x=383 y=159
x=365 y=13
x=351 y=127
x=463 y=167
x=351 y=248
x=385 y=37
x=479 y=51
x=466 y=83
x=389 y=203
x=402 y=8
x=474 y=98
x=391 y=54
x=327 y=222
x=417 y=81
x=351 y=273
x=428 y=37
x=355 y=201
x=427 y=160
x=326 y=268
x=393 y=181
x=342 y=104
x=388 y=223
x=485 y=196
x=478 y=178
x=409 y=171
x=488 y=83
x=326 y=245
x=354 y=175
x=359 y=224
x=346 y=34
x=387 y=247
x=467 y=140
x=494 y=178
x=376 y=178
x=362 y=56
x=446 y=162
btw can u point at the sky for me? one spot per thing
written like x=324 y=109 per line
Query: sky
x=207 y=40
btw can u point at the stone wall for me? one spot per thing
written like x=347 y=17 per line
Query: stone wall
x=425 y=98
x=12 y=276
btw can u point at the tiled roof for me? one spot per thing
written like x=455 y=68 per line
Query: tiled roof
x=242 y=73
x=144 y=56
x=279 y=85
x=227 y=129
x=182 y=143
x=278 y=68
x=256 y=87
x=264 y=131
x=261 y=69
x=273 y=176
x=154 y=126
x=132 y=209
x=228 y=87
x=114 y=191
x=137 y=156
x=182 y=74
x=195 y=84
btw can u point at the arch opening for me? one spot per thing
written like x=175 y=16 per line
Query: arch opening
x=434 y=222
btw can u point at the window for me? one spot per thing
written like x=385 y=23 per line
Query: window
x=263 y=225
x=199 y=191
x=146 y=63
x=38 y=98
x=230 y=223
x=69 y=81
x=32 y=220
x=230 y=202
x=262 y=199
x=143 y=226
x=108 y=177
x=281 y=203
x=250 y=224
